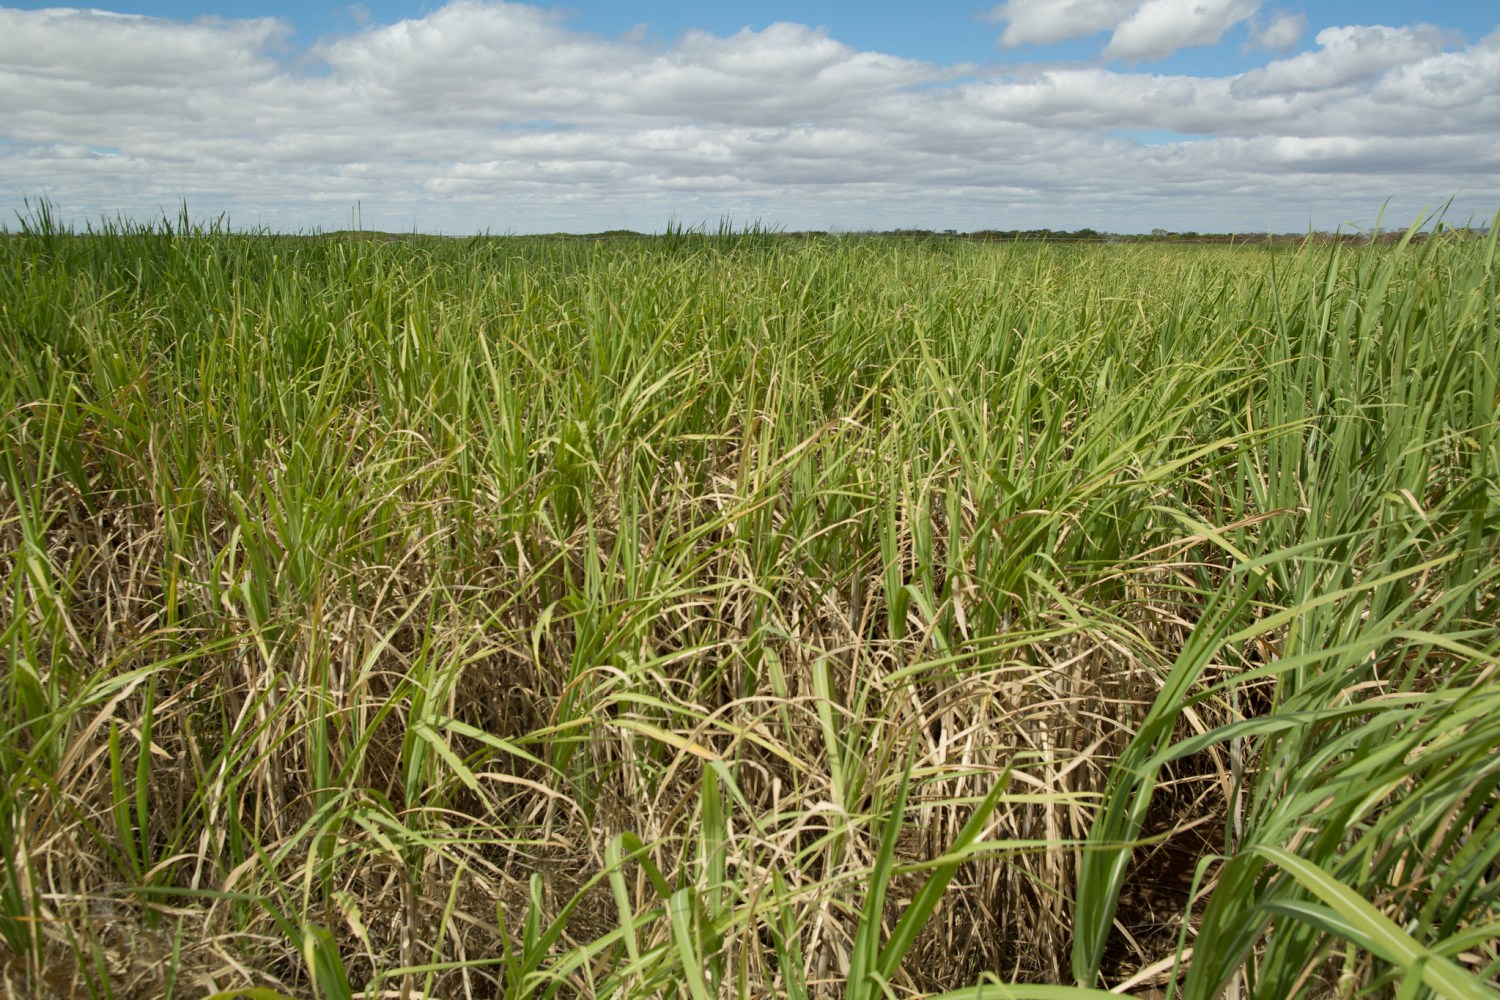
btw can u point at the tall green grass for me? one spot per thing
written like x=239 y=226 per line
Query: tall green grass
x=742 y=616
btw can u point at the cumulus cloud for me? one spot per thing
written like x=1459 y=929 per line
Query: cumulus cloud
x=1140 y=30
x=486 y=115
x=1043 y=22
x=1279 y=34
x=121 y=50
x=1345 y=56
x=1157 y=28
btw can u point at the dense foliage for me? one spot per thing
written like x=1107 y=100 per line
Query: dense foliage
x=744 y=615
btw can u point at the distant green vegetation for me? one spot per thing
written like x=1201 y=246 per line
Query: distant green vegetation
x=732 y=615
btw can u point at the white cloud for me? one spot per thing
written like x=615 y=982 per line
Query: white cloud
x=1280 y=34
x=787 y=72
x=1151 y=29
x=1464 y=84
x=1043 y=22
x=1345 y=56
x=1160 y=27
x=499 y=116
x=127 y=51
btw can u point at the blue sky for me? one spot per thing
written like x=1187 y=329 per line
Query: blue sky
x=476 y=115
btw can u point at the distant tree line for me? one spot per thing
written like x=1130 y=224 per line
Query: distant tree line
x=1084 y=235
